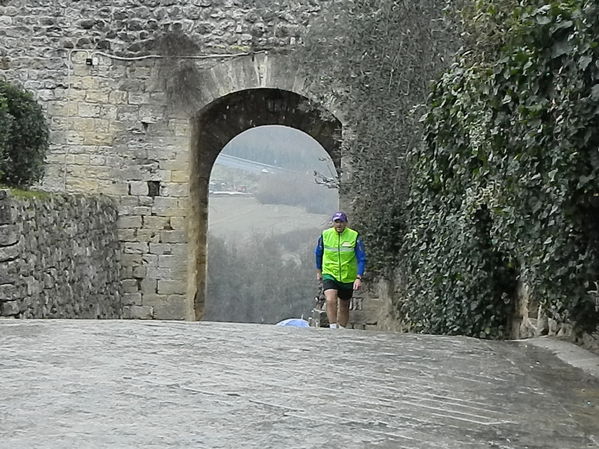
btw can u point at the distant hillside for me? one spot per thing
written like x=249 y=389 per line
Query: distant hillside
x=236 y=219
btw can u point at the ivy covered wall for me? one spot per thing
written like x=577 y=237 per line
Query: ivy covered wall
x=504 y=193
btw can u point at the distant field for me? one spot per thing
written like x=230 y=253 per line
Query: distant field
x=238 y=218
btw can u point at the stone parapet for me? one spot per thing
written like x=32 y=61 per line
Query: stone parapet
x=59 y=257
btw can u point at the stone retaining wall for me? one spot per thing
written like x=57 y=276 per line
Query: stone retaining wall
x=59 y=257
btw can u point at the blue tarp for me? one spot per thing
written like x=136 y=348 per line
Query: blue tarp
x=294 y=322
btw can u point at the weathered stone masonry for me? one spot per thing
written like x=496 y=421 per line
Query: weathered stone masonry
x=101 y=72
x=59 y=257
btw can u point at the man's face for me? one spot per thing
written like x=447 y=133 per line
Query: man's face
x=339 y=225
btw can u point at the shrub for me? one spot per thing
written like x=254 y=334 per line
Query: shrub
x=23 y=137
x=506 y=187
x=5 y=125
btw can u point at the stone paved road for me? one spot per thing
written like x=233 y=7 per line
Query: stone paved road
x=131 y=384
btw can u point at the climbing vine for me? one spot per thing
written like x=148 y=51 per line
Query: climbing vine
x=375 y=61
x=505 y=189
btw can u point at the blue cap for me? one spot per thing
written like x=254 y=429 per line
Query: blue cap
x=339 y=216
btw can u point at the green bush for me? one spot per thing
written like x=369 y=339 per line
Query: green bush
x=506 y=187
x=23 y=137
x=5 y=125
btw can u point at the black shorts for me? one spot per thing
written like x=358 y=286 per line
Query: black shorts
x=344 y=291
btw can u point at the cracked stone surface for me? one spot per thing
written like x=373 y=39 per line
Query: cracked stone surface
x=142 y=384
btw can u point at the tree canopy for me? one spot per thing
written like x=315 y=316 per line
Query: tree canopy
x=23 y=137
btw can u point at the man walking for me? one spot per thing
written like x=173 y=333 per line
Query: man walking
x=340 y=264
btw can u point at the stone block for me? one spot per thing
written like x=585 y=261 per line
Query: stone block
x=129 y=286
x=175 y=308
x=126 y=272
x=9 y=252
x=84 y=125
x=179 y=273
x=8 y=235
x=9 y=308
x=82 y=184
x=133 y=173
x=127 y=202
x=97 y=96
x=372 y=307
x=156 y=223
x=109 y=112
x=177 y=249
x=147 y=235
x=117 y=97
x=179 y=223
x=150 y=260
x=153 y=299
x=167 y=287
x=132 y=260
x=176 y=190
x=139 y=272
x=6 y=212
x=97 y=160
x=173 y=237
x=142 y=210
x=179 y=127
x=112 y=188
x=130 y=299
x=135 y=247
x=34 y=287
x=138 y=312
x=176 y=165
x=89 y=110
x=127 y=235
x=149 y=286
x=8 y=272
x=139 y=188
x=7 y=292
x=161 y=248
x=129 y=221
x=179 y=176
x=169 y=261
x=138 y=98
x=165 y=207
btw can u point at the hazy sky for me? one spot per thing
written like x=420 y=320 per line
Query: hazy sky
x=281 y=146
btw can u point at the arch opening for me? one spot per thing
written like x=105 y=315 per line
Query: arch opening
x=216 y=125
x=265 y=207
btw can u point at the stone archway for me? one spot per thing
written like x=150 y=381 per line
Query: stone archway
x=214 y=126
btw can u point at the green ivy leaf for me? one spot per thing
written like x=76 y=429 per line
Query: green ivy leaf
x=560 y=48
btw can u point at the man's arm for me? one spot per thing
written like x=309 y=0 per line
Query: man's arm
x=318 y=252
x=360 y=251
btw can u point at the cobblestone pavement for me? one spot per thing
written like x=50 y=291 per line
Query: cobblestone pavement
x=140 y=384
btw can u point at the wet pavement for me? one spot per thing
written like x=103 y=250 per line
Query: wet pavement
x=141 y=384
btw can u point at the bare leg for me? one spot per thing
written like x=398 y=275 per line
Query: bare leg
x=331 y=296
x=343 y=317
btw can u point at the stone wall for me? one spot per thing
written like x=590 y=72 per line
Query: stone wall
x=121 y=82
x=59 y=257
x=531 y=320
